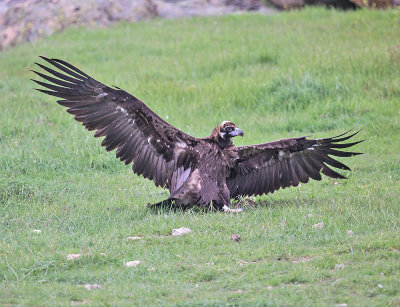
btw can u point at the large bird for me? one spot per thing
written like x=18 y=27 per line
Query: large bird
x=207 y=171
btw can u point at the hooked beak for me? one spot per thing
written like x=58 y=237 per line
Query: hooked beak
x=236 y=132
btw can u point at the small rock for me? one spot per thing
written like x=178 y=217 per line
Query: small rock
x=103 y=254
x=180 y=231
x=339 y=266
x=131 y=264
x=133 y=238
x=91 y=287
x=380 y=286
x=350 y=232
x=318 y=226
x=74 y=256
x=341 y=305
x=37 y=231
x=236 y=237
x=269 y=288
x=151 y=269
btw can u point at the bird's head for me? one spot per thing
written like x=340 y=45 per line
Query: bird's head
x=228 y=130
x=224 y=133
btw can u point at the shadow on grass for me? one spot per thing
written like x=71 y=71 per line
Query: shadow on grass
x=246 y=203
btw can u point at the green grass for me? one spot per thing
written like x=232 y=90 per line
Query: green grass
x=306 y=72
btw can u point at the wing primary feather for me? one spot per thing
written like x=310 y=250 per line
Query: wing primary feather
x=346 y=145
x=72 y=67
x=78 y=101
x=64 y=95
x=338 y=153
x=63 y=68
x=54 y=80
x=52 y=93
x=58 y=74
x=335 y=140
x=91 y=109
x=344 y=133
x=331 y=162
x=331 y=173
x=312 y=168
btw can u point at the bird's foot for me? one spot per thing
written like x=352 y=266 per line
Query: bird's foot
x=246 y=201
x=226 y=209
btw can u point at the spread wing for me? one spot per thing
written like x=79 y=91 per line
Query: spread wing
x=160 y=152
x=267 y=167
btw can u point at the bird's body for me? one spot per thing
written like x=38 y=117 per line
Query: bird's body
x=206 y=184
x=197 y=171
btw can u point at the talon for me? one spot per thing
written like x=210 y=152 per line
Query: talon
x=227 y=209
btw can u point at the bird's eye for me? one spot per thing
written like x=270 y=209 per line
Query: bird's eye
x=229 y=129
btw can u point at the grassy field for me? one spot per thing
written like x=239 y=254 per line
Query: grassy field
x=312 y=72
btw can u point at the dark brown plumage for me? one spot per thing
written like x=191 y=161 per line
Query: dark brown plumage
x=197 y=171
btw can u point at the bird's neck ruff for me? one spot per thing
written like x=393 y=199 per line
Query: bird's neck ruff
x=219 y=139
